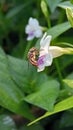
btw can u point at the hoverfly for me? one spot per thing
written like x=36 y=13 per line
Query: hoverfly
x=33 y=56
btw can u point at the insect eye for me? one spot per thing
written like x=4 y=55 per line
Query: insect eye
x=36 y=57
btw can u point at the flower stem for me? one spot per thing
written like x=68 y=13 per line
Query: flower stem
x=26 y=50
x=61 y=17
x=44 y=28
x=68 y=51
x=59 y=72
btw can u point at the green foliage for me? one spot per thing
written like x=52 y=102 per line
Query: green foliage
x=53 y=4
x=46 y=96
x=33 y=127
x=6 y=123
x=66 y=119
x=59 y=29
x=61 y=106
x=65 y=5
x=24 y=91
x=71 y=1
x=11 y=96
x=69 y=13
x=14 y=11
x=45 y=12
x=69 y=82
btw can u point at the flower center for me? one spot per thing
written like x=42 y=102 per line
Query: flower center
x=31 y=33
x=41 y=60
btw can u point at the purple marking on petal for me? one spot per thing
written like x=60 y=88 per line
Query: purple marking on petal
x=31 y=33
x=41 y=60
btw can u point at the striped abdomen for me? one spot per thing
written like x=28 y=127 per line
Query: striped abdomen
x=32 y=56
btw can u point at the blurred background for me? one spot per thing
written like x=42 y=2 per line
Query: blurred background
x=14 y=16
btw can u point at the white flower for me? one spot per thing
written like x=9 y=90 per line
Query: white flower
x=45 y=57
x=47 y=52
x=33 y=29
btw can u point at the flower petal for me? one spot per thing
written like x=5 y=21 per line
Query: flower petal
x=43 y=61
x=27 y=29
x=30 y=37
x=45 y=41
x=48 y=59
x=33 y=22
x=40 y=68
x=44 y=44
x=42 y=40
x=38 y=33
x=33 y=29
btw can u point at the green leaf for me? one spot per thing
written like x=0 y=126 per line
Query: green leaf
x=18 y=70
x=46 y=96
x=44 y=8
x=21 y=73
x=21 y=77
x=71 y=1
x=64 y=44
x=70 y=76
x=14 y=11
x=56 y=31
x=66 y=61
x=65 y=5
x=61 y=106
x=45 y=12
x=33 y=127
x=66 y=119
x=69 y=82
x=53 y=4
x=59 y=29
x=69 y=13
x=6 y=123
x=10 y=95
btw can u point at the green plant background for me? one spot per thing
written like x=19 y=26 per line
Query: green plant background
x=25 y=94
